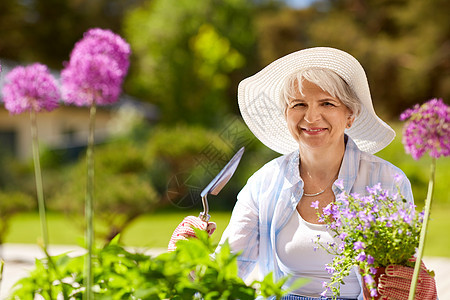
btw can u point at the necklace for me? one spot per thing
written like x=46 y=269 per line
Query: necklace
x=315 y=194
x=321 y=192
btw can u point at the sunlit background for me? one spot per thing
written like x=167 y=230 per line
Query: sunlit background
x=177 y=121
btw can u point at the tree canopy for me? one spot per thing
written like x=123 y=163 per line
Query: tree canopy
x=188 y=57
x=186 y=54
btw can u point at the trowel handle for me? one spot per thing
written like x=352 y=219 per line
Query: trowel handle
x=204 y=216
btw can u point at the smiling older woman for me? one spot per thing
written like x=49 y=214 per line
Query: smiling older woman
x=314 y=107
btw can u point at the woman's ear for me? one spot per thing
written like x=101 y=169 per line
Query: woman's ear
x=350 y=120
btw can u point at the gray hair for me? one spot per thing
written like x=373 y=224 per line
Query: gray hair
x=327 y=80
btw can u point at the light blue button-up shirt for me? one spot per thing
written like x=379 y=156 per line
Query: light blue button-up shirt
x=272 y=193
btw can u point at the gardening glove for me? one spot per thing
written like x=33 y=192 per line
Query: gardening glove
x=395 y=283
x=185 y=230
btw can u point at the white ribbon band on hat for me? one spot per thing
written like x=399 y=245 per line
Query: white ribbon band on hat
x=258 y=99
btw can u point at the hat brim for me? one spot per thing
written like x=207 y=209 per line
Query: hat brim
x=258 y=99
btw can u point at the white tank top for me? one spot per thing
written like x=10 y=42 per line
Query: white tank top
x=301 y=257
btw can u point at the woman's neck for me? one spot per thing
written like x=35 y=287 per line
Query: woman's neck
x=321 y=163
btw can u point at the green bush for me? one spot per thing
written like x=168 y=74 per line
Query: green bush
x=190 y=272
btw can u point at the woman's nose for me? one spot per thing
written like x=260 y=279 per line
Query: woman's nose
x=312 y=115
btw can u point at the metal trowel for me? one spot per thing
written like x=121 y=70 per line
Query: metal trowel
x=216 y=185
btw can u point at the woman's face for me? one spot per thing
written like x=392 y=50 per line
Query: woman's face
x=316 y=119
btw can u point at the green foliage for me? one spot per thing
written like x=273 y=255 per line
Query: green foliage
x=29 y=29
x=12 y=203
x=190 y=272
x=122 y=191
x=136 y=177
x=399 y=43
x=402 y=45
x=185 y=65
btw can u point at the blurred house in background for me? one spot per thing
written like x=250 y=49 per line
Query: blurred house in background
x=66 y=128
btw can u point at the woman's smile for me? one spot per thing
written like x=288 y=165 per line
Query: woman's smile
x=314 y=131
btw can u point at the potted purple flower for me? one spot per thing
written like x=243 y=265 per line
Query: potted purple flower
x=372 y=232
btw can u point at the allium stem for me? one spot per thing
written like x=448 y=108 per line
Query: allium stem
x=423 y=231
x=38 y=178
x=89 y=204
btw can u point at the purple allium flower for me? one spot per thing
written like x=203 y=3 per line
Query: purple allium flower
x=97 y=67
x=104 y=41
x=427 y=129
x=373 y=270
x=358 y=245
x=370 y=259
x=30 y=88
x=315 y=204
x=373 y=292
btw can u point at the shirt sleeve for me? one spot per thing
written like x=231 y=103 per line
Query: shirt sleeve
x=242 y=233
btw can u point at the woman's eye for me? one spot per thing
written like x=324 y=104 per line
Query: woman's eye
x=328 y=104
x=298 y=105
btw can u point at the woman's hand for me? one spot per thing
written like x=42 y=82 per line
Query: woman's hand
x=395 y=284
x=185 y=230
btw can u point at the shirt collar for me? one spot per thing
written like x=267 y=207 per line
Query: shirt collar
x=349 y=166
x=292 y=175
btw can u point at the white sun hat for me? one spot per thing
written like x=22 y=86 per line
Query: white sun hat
x=258 y=99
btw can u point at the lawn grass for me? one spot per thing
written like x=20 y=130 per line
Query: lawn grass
x=154 y=231
x=25 y=228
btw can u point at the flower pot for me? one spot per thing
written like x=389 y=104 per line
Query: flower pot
x=366 y=291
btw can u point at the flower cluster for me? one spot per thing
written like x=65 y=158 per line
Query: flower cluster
x=30 y=88
x=97 y=67
x=427 y=129
x=370 y=231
